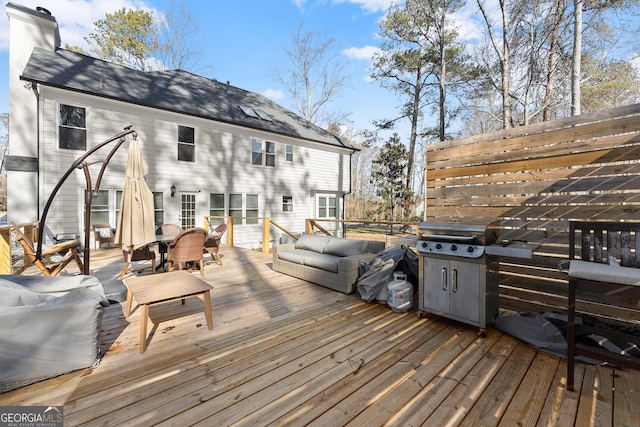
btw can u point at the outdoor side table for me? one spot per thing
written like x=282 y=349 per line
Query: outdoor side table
x=159 y=288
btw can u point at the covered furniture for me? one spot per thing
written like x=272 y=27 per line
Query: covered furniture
x=143 y=253
x=603 y=267
x=54 y=258
x=212 y=244
x=50 y=326
x=328 y=261
x=187 y=247
x=103 y=234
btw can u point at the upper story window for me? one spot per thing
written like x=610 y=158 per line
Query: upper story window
x=186 y=144
x=289 y=153
x=72 y=127
x=263 y=153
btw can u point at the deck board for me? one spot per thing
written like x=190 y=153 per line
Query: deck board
x=286 y=352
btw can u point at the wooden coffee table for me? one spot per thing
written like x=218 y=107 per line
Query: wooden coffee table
x=158 y=288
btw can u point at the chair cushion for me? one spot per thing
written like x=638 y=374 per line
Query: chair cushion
x=345 y=247
x=312 y=242
x=104 y=232
x=604 y=272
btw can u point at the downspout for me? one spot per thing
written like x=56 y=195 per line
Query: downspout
x=34 y=88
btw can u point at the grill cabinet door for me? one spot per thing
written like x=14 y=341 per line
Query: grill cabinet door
x=465 y=290
x=436 y=276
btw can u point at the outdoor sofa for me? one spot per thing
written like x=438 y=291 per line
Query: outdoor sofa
x=328 y=261
x=50 y=326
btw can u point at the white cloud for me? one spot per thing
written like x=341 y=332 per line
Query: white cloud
x=365 y=52
x=370 y=5
x=273 y=94
x=74 y=17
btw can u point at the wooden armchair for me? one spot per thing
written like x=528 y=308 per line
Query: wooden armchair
x=140 y=254
x=187 y=247
x=103 y=233
x=212 y=244
x=51 y=262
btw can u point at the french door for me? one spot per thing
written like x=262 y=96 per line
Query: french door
x=188 y=210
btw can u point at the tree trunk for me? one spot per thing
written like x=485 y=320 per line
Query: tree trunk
x=577 y=57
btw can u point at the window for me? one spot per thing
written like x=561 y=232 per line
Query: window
x=72 y=129
x=263 y=115
x=216 y=204
x=186 y=144
x=270 y=155
x=248 y=111
x=244 y=207
x=252 y=209
x=287 y=203
x=326 y=207
x=257 y=155
x=158 y=208
x=256 y=152
x=100 y=208
x=289 y=153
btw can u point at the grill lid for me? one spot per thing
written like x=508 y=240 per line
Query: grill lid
x=478 y=231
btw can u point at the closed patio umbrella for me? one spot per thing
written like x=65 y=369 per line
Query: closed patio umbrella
x=135 y=226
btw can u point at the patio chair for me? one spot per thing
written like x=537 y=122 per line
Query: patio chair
x=212 y=244
x=187 y=247
x=166 y=229
x=140 y=254
x=103 y=233
x=51 y=262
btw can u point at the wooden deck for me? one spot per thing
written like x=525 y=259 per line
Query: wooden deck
x=286 y=352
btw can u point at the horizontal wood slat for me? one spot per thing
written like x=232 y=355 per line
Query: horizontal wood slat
x=536 y=179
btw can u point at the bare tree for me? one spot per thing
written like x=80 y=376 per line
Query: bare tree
x=180 y=45
x=502 y=50
x=314 y=76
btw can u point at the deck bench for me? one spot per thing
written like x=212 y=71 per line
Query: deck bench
x=604 y=264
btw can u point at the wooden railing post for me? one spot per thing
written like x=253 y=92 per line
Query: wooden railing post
x=230 y=230
x=5 y=251
x=308 y=226
x=266 y=233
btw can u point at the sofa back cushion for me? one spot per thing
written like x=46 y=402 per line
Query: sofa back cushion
x=312 y=242
x=344 y=247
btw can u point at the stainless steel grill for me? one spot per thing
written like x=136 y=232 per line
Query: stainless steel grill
x=457 y=278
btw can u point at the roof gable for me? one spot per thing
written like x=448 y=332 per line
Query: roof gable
x=173 y=90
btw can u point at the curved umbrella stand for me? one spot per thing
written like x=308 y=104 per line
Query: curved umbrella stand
x=90 y=193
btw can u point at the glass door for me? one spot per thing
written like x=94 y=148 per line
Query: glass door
x=188 y=210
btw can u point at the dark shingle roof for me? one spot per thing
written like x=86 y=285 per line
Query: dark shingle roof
x=174 y=90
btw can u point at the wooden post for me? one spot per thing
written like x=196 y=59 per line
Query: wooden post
x=308 y=227
x=266 y=235
x=230 y=230
x=5 y=251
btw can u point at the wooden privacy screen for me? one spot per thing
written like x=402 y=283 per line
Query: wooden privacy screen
x=535 y=179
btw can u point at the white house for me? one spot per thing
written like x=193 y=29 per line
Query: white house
x=211 y=148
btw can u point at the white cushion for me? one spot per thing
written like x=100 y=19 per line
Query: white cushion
x=604 y=272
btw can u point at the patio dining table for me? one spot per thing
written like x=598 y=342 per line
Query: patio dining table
x=163 y=238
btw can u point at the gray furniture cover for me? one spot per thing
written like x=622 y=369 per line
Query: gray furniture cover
x=48 y=326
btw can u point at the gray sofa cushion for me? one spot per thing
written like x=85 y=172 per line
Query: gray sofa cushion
x=344 y=247
x=312 y=242
x=322 y=261
x=294 y=255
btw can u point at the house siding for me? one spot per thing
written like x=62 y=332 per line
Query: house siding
x=222 y=165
